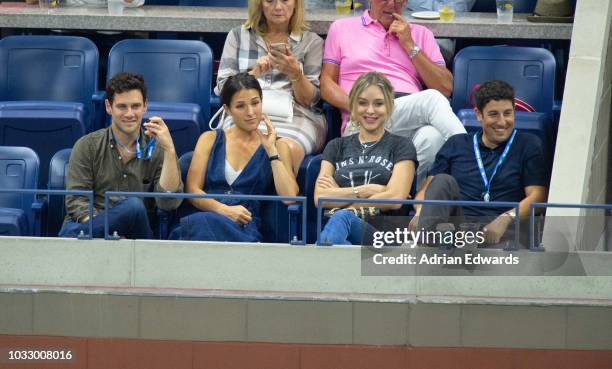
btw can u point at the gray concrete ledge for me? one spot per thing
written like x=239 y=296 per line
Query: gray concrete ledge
x=204 y=19
x=268 y=271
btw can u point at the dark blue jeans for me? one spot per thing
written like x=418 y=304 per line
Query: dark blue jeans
x=127 y=217
x=345 y=228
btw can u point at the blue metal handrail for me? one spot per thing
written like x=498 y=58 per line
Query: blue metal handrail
x=490 y=204
x=301 y=199
x=542 y=205
x=88 y=194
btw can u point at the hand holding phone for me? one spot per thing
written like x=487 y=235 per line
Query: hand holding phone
x=280 y=47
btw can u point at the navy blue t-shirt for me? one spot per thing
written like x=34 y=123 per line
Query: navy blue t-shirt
x=524 y=166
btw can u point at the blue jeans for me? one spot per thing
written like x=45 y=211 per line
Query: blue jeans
x=128 y=217
x=345 y=228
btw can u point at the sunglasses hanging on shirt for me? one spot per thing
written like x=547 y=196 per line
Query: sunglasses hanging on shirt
x=147 y=152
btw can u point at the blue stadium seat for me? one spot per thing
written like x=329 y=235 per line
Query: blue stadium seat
x=182 y=120
x=276 y=225
x=58 y=169
x=162 y=2
x=520 y=6
x=46 y=89
x=178 y=74
x=225 y=3
x=307 y=177
x=50 y=68
x=44 y=126
x=531 y=71
x=20 y=214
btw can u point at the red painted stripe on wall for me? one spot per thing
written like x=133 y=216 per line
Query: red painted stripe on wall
x=93 y=353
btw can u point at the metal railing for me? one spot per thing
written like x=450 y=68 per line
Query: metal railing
x=491 y=204
x=300 y=199
x=543 y=205
x=88 y=194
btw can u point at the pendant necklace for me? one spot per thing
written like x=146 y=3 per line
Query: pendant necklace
x=368 y=145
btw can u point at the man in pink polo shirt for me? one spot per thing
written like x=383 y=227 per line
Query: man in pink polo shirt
x=407 y=54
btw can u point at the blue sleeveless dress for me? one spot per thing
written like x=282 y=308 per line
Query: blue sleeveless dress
x=255 y=179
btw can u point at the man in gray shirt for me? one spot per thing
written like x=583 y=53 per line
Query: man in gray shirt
x=123 y=157
x=458 y=5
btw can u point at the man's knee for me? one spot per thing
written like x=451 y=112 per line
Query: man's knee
x=133 y=207
x=443 y=183
x=427 y=142
x=434 y=96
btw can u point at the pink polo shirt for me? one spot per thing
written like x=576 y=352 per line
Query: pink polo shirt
x=361 y=44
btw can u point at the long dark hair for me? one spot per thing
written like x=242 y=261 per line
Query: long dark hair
x=238 y=82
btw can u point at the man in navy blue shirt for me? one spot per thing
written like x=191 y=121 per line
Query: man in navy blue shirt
x=498 y=163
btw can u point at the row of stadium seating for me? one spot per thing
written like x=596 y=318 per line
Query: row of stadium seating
x=31 y=214
x=49 y=95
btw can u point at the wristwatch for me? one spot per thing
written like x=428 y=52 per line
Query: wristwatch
x=274 y=157
x=511 y=214
x=414 y=52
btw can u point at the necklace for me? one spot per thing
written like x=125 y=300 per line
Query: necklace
x=368 y=145
x=124 y=147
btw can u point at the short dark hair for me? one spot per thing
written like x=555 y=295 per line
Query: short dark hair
x=124 y=82
x=493 y=90
x=237 y=82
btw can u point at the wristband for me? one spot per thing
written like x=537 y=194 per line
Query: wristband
x=356 y=192
x=274 y=157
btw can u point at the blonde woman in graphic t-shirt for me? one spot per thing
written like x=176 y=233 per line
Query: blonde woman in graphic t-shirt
x=373 y=164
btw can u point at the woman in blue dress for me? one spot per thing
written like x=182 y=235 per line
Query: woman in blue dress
x=239 y=160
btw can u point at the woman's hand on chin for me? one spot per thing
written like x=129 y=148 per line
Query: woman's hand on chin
x=268 y=140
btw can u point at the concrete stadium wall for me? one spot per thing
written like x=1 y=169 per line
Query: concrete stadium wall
x=581 y=163
x=194 y=292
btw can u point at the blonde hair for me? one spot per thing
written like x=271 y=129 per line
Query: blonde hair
x=364 y=81
x=257 y=21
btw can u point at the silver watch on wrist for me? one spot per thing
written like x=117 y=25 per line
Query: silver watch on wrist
x=414 y=52
x=511 y=214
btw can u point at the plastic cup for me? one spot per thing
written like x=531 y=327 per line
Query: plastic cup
x=115 y=7
x=447 y=13
x=50 y=4
x=505 y=10
x=343 y=7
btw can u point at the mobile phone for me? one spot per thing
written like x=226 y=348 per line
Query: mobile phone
x=280 y=47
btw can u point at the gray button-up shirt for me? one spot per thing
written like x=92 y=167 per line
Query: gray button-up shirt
x=458 y=5
x=96 y=164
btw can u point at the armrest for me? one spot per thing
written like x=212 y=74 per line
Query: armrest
x=98 y=96
x=215 y=103
x=99 y=110
x=38 y=208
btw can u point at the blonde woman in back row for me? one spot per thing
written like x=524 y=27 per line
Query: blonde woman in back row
x=275 y=47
